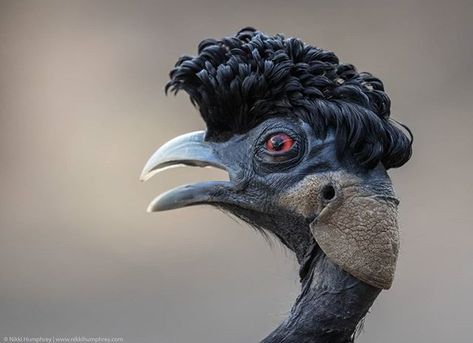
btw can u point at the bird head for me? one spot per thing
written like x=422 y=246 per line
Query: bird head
x=306 y=142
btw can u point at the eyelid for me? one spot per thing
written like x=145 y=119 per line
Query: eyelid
x=268 y=133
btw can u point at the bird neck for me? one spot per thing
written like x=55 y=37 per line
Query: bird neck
x=330 y=306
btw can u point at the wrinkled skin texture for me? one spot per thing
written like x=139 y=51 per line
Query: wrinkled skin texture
x=356 y=228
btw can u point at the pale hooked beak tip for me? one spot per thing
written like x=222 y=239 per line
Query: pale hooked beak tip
x=143 y=176
x=151 y=168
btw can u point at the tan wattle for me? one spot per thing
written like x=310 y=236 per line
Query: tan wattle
x=362 y=237
x=357 y=229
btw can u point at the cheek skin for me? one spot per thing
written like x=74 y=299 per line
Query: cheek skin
x=357 y=229
x=305 y=197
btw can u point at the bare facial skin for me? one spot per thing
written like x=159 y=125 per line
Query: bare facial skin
x=355 y=226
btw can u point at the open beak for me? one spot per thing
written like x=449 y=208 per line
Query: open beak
x=192 y=150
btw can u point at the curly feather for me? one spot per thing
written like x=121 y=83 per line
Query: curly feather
x=238 y=82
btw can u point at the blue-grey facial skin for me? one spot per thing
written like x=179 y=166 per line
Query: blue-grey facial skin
x=256 y=174
x=248 y=159
x=256 y=177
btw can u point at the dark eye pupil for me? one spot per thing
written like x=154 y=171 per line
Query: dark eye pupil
x=277 y=142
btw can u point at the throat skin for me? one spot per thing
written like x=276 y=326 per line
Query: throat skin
x=330 y=306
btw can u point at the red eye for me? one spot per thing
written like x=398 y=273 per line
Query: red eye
x=279 y=142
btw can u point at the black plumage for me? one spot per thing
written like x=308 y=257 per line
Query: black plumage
x=238 y=82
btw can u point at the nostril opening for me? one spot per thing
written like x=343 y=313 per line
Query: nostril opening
x=328 y=192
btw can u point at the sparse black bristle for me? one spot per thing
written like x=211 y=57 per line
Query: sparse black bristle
x=238 y=82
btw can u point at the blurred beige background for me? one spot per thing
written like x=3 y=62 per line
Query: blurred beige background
x=82 y=108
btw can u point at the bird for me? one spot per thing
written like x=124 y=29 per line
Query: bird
x=307 y=142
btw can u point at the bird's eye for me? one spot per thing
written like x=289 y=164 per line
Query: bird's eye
x=279 y=143
x=276 y=151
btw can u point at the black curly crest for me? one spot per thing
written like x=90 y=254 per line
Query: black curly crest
x=240 y=81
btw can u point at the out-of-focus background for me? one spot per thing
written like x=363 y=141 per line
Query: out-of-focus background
x=82 y=107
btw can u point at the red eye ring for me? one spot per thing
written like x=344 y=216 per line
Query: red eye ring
x=279 y=142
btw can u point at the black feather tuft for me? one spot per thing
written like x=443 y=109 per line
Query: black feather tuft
x=238 y=82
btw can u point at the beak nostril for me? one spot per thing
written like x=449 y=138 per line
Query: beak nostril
x=328 y=192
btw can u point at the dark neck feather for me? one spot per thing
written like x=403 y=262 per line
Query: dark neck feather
x=330 y=306
x=331 y=303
